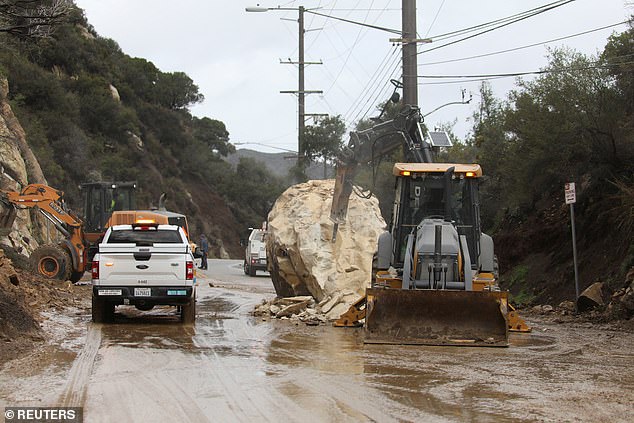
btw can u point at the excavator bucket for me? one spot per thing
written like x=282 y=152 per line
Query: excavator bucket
x=436 y=317
x=341 y=195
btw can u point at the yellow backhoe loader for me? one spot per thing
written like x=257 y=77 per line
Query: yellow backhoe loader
x=105 y=204
x=434 y=276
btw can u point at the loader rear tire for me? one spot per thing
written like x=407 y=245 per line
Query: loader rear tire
x=52 y=262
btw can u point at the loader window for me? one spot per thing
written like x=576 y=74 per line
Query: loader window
x=424 y=197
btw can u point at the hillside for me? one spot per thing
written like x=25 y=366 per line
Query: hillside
x=279 y=164
x=91 y=112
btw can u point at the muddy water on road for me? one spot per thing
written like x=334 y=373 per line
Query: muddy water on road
x=231 y=366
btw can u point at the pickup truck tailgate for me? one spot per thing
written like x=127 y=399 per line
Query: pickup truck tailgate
x=126 y=264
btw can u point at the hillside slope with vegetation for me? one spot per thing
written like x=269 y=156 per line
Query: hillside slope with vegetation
x=91 y=112
x=574 y=122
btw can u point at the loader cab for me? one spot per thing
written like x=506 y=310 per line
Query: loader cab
x=433 y=191
x=100 y=199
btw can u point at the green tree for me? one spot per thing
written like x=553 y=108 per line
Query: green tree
x=563 y=125
x=176 y=90
x=324 y=140
x=214 y=134
x=491 y=149
x=253 y=191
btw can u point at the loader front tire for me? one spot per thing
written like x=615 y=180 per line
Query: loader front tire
x=52 y=262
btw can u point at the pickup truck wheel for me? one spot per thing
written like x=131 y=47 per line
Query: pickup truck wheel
x=245 y=267
x=52 y=262
x=188 y=311
x=102 y=311
x=252 y=271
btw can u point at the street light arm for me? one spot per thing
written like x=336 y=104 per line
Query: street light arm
x=450 y=104
x=393 y=31
x=266 y=9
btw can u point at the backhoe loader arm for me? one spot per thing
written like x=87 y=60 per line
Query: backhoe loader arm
x=371 y=144
x=50 y=203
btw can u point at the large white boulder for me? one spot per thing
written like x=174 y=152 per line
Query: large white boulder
x=303 y=260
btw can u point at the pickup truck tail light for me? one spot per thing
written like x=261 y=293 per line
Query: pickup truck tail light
x=94 y=268
x=189 y=275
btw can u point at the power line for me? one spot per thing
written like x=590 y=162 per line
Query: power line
x=354 y=44
x=483 y=77
x=533 y=12
x=435 y=17
x=371 y=83
x=395 y=67
x=498 y=21
x=523 y=47
x=386 y=72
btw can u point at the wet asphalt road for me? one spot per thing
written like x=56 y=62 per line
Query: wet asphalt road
x=231 y=366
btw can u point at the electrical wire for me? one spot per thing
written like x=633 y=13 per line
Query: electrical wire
x=539 y=72
x=356 y=41
x=386 y=87
x=389 y=71
x=371 y=83
x=522 y=47
x=487 y=77
x=435 y=17
x=525 y=13
x=533 y=12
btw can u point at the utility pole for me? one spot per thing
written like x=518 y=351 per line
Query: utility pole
x=410 y=62
x=301 y=91
x=301 y=95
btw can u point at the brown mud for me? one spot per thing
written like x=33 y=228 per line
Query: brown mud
x=232 y=366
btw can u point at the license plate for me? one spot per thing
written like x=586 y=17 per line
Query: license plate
x=109 y=292
x=177 y=292
x=142 y=292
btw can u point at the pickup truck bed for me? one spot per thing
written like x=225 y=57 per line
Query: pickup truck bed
x=143 y=266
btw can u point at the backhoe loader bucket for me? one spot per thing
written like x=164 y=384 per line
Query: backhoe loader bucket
x=436 y=317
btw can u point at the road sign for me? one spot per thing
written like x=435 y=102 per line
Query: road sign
x=571 y=196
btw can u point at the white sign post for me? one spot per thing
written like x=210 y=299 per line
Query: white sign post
x=571 y=198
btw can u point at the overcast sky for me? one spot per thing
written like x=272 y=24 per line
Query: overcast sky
x=234 y=56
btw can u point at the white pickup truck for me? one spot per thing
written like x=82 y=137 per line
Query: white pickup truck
x=255 y=252
x=144 y=265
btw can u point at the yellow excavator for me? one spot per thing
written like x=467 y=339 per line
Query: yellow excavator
x=105 y=204
x=435 y=276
